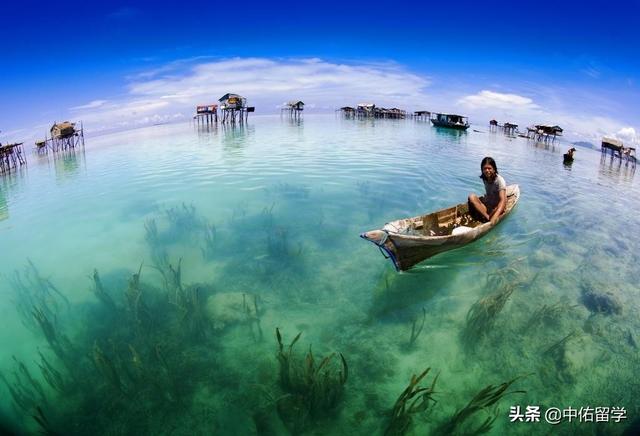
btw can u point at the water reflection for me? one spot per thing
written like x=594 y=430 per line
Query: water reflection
x=615 y=168
x=69 y=163
x=567 y=164
x=10 y=183
x=4 y=208
x=448 y=136
x=293 y=121
x=206 y=131
x=543 y=145
x=235 y=136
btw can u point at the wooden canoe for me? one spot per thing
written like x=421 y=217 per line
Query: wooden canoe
x=411 y=240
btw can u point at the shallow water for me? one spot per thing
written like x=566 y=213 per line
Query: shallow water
x=549 y=296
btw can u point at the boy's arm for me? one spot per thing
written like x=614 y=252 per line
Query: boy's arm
x=500 y=207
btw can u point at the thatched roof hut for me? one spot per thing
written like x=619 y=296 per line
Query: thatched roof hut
x=63 y=130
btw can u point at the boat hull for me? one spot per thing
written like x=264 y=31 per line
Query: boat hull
x=406 y=249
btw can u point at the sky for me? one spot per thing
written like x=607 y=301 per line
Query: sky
x=123 y=65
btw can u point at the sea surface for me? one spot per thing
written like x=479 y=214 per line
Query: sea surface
x=185 y=279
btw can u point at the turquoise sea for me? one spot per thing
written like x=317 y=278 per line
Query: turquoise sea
x=143 y=277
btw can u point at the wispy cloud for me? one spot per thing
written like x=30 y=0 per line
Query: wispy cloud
x=592 y=72
x=171 y=91
x=178 y=86
x=495 y=100
x=328 y=84
x=91 y=105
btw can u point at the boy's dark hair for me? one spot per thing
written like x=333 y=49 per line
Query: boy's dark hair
x=490 y=161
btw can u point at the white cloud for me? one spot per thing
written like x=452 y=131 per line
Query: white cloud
x=271 y=81
x=627 y=135
x=91 y=105
x=180 y=85
x=172 y=91
x=495 y=100
x=593 y=127
x=129 y=111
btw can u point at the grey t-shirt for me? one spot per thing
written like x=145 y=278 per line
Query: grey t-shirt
x=492 y=196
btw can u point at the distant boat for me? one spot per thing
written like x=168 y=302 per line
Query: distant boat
x=411 y=240
x=451 y=121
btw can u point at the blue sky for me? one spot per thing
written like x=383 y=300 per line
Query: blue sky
x=125 y=64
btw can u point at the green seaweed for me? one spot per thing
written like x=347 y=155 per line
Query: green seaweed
x=315 y=389
x=483 y=313
x=413 y=400
x=416 y=328
x=460 y=423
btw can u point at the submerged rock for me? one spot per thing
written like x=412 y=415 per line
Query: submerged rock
x=605 y=302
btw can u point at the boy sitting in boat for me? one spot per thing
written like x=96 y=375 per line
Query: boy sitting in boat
x=491 y=205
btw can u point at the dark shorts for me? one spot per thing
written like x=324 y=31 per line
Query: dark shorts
x=488 y=204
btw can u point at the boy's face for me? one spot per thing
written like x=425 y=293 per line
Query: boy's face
x=488 y=172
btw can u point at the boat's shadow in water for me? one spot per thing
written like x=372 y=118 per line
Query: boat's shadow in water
x=397 y=294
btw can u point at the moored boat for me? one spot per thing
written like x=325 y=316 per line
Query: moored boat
x=409 y=241
x=451 y=121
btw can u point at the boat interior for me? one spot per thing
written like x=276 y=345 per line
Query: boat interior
x=442 y=222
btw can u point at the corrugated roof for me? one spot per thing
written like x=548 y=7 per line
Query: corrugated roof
x=227 y=96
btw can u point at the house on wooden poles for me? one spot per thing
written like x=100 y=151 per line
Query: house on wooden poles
x=393 y=113
x=422 y=115
x=206 y=113
x=294 y=108
x=11 y=155
x=233 y=108
x=370 y=110
x=510 y=128
x=365 y=110
x=348 y=111
x=543 y=132
x=65 y=135
x=617 y=149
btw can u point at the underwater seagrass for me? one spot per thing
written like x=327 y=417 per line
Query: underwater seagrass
x=315 y=389
x=131 y=356
x=412 y=401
